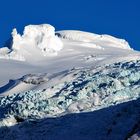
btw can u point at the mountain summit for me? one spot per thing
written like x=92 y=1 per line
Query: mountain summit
x=68 y=85
x=42 y=40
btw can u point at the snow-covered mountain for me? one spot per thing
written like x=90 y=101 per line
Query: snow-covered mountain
x=68 y=85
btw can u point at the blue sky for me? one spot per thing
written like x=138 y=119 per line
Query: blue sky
x=120 y=18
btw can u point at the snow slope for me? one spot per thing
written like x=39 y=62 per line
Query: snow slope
x=54 y=77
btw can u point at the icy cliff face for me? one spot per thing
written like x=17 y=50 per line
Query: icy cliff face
x=38 y=36
x=35 y=38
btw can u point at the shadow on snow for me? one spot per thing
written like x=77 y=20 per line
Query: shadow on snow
x=113 y=123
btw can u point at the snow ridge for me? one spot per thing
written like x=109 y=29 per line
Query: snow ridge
x=99 y=40
x=38 y=41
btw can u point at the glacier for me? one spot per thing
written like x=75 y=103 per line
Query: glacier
x=68 y=84
x=89 y=91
